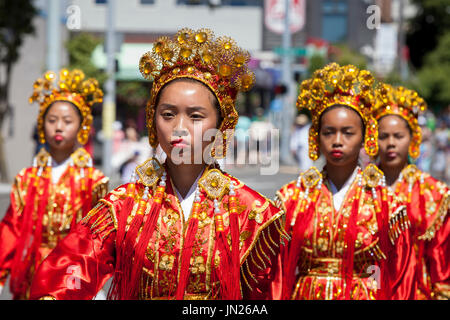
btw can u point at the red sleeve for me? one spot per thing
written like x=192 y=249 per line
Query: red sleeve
x=82 y=262
x=436 y=256
x=401 y=262
x=9 y=233
x=261 y=271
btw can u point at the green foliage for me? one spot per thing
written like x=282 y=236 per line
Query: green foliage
x=15 y=23
x=433 y=78
x=344 y=55
x=425 y=29
x=80 y=48
x=316 y=61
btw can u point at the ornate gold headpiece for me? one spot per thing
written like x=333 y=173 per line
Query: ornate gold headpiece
x=216 y=62
x=70 y=87
x=336 y=85
x=405 y=103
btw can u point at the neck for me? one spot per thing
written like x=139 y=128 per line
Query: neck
x=392 y=172
x=183 y=176
x=60 y=155
x=340 y=174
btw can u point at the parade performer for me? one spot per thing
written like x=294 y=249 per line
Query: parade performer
x=49 y=198
x=184 y=229
x=427 y=199
x=343 y=229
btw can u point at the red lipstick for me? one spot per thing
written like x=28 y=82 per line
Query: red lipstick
x=179 y=143
x=337 y=153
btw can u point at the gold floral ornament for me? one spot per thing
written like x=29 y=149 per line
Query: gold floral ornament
x=69 y=86
x=149 y=172
x=216 y=62
x=406 y=104
x=214 y=183
x=336 y=85
x=372 y=176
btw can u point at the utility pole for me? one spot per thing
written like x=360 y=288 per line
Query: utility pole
x=53 y=35
x=109 y=103
x=403 y=67
x=288 y=110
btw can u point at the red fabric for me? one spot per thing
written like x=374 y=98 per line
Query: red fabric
x=428 y=211
x=323 y=255
x=28 y=217
x=164 y=249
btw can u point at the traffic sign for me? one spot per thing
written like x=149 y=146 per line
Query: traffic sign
x=274 y=15
x=295 y=51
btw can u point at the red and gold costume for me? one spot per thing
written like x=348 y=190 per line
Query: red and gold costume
x=43 y=211
x=321 y=260
x=227 y=249
x=95 y=246
x=357 y=251
x=427 y=200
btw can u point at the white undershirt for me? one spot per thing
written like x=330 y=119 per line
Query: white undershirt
x=58 y=169
x=339 y=195
x=188 y=201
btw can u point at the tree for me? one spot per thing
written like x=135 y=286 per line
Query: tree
x=80 y=48
x=15 y=24
x=426 y=28
x=433 y=78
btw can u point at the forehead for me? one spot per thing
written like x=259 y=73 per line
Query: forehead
x=186 y=93
x=62 y=108
x=392 y=122
x=340 y=117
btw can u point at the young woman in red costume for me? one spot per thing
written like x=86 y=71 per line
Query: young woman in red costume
x=49 y=198
x=344 y=231
x=184 y=229
x=427 y=199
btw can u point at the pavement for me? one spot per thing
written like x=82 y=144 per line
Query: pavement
x=252 y=176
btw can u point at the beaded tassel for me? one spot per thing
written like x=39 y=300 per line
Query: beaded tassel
x=188 y=247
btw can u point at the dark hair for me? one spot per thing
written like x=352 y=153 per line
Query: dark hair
x=214 y=101
x=363 y=126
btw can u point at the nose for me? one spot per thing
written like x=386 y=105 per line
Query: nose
x=337 y=140
x=391 y=142
x=59 y=125
x=180 y=129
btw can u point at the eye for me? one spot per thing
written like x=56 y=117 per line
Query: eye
x=197 y=116
x=167 y=114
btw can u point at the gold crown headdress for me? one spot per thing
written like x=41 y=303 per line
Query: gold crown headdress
x=405 y=103
x=70 y=87
x=336 y=85
x=216 y=62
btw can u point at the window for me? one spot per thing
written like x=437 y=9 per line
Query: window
x=334 y=20
x=101 y=1
x=147 y=1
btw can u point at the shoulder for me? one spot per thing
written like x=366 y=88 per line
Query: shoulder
x=99 y=177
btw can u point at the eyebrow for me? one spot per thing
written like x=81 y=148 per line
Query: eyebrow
x=343 y=128
x=190 y=108
x=55 y=116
